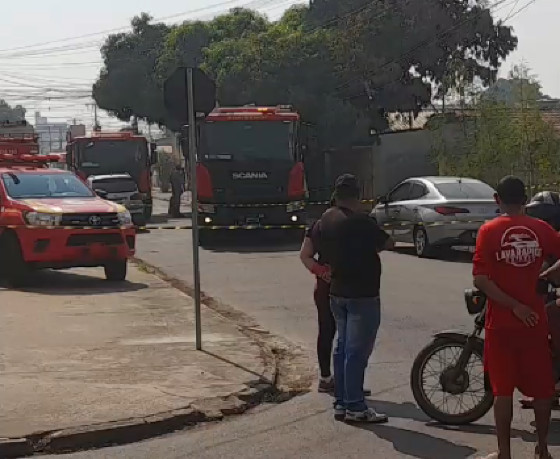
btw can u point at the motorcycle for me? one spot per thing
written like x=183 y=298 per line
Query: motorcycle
x=458 y=392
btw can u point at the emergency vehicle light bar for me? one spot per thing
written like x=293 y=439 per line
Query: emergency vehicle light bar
x=112 y=135
x=19 y=137
x=27 y=158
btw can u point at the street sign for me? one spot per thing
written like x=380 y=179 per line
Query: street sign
x=176 y=94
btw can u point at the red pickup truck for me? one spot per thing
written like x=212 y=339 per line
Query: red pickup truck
x=50 y=218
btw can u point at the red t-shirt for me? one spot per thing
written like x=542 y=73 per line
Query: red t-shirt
x=511 y=250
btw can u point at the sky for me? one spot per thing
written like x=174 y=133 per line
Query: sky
x=49 y=49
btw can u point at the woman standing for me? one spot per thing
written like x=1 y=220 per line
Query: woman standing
x=327 y=326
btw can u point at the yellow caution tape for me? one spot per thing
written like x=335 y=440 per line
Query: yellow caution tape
x=390 y=225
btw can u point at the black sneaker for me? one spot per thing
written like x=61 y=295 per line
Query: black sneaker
x=326 y=385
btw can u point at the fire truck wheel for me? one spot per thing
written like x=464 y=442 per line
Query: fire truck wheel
x=116 y=271
x=15 y=270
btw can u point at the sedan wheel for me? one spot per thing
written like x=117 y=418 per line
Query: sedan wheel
x=421 y=243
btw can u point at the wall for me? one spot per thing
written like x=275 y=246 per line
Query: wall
x=402 y=155
x=379 y=167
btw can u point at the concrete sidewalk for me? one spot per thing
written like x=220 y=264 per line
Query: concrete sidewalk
x=78 y=354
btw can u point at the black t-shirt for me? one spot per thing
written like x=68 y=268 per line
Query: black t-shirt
x=349 y=242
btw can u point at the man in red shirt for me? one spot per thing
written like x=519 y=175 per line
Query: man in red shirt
x=509 y=255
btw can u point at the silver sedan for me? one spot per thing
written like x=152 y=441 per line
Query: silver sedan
x=433 y=212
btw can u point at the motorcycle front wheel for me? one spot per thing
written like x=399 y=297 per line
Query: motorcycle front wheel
x=446 y=393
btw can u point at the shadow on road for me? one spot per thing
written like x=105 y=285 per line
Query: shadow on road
x=408 y=442
x=163 y=219
x=485 y=429
x=420 y=445
x=425 y=446
x=69 y=283
x=237 y=365
x=450 y=255
x=265 y=241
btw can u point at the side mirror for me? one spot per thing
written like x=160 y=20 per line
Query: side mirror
x=101 y=193
x=382 y=200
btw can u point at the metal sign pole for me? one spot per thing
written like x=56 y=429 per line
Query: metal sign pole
x=194 y=207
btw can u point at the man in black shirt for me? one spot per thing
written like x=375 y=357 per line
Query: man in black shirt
x=353 y=241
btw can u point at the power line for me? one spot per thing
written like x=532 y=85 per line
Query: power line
x=118 y=29
x=11 y=52
x=520 y=10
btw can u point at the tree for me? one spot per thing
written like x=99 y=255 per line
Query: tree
x=390 y=56
x=520 y=85
x=344 y=64
x=506 y=134
x=127 y=85
x=11 y=114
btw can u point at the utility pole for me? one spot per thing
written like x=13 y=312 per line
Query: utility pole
x=526 y=150
x=96 y=125
x=194 y=207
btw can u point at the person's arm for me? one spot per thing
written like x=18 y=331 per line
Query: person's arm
x=552 y=249
x=483 y=282
x=382 y=240
x=307 y=256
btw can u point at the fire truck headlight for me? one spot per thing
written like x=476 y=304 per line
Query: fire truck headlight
x=42 y=219
x=124 y=218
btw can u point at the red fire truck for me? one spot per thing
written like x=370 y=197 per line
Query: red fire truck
x=49 y=218
x=251 y=166
x=114 y=153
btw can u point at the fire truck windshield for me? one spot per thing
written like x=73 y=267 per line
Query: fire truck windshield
x=108 y=156
x=247 y=140
x=44 y=186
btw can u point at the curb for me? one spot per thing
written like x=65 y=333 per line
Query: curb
x=134 y=429
x=287 y=374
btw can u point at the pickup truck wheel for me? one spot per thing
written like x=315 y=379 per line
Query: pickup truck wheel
x=116 y=271
x=139 y=220
x=15 y=269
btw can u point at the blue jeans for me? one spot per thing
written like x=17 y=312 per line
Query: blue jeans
x=357 y=323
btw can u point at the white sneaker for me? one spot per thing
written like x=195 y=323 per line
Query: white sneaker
x=369 y=416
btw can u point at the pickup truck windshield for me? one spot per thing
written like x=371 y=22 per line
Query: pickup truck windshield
x=43 y=186
x=247 y=140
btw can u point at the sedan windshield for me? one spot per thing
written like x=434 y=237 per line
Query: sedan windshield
x=42 y=186
x=465 y=190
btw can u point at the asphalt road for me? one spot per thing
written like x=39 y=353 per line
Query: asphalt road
x=261 y=275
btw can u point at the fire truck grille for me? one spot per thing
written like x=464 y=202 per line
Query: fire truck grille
x=104 y=219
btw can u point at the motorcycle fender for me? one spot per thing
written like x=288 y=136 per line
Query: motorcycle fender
x=452 y=335
x=462 y=338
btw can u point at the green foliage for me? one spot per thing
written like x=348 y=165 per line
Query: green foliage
x=165 y=166
x=128 y=86
x=500 y=136
x=344 y=64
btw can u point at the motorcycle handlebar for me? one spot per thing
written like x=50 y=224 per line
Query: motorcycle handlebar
x=476 y=300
